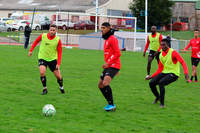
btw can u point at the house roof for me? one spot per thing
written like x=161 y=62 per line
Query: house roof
x=50 y=5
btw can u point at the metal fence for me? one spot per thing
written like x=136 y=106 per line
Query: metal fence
x=93 y=42
x=66 y=39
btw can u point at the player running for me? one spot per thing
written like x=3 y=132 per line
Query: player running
x=195 y=55
x=168 y=71
x=112 y=64
x=50 y=53
x=154 y=41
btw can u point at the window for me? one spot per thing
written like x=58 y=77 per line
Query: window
x=184 y=19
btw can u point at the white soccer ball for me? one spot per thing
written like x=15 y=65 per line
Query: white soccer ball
x=48 y=110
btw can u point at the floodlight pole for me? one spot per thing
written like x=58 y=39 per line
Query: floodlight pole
x=97 y=10
x=34 y=10
x=146 y=17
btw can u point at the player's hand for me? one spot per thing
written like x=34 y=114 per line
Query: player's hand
x=148 y=77
x=105 y=66
x=186 y=77
x=29 y=53
x=144 y=54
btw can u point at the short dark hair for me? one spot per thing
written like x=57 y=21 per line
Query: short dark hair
x=196 y=29
x=53 y=25
x=106 y=24
x=166 y=40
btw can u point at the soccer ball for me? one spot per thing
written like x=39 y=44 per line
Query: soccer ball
x=49 y=110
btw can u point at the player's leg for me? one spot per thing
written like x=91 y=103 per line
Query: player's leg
x=59 y=80
x=195 y=69
x=53 y=67
x=104 y=85
x=157 y=57
x=194 y=65
x=167 y=79
x=42 y=69
x=152 y=85
x=102 y=89
x=193 y=72
x=26 y=42
x=150 y=59
x=101 y=86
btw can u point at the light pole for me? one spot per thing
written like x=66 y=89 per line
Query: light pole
x=146 y=16
x=97 y=10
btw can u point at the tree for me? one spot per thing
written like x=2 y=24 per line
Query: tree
x=159 y=12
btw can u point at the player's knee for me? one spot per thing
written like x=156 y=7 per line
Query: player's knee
x=193 y=68
x=100 y=86
x=42 y=74
x=105 y=83
x=161 y=84
x=151 y=83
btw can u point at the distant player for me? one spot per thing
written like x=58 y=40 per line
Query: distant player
x=50 y=53
x=112 y=64
x=168 y=71
x=27 y=33
x=154 y=41
x=195 y=56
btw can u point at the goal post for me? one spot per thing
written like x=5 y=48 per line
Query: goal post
x=73 y=21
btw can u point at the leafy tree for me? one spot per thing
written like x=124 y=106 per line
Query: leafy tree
x=159 y=12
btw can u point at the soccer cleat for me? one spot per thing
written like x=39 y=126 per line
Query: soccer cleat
x=162 y=106
x=189 y=81
x=196 y=81
x=44 y=92
x=147 y=76
x=62 y=91
x=110 y=107
x=156 y=101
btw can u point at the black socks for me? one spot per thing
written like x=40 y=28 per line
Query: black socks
x=194 y=77
x=107 y=93
x=43 y=80
x=60 y=82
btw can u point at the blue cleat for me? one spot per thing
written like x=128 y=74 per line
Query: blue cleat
x=110 y=107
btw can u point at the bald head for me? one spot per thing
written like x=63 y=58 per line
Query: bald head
x=153 y=29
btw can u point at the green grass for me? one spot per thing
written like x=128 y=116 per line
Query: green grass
x=81 y=109
x=180 y=35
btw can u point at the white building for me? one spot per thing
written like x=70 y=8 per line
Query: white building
x=113 y=7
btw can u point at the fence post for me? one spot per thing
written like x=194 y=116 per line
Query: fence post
x=123 y=43
x=100 y=43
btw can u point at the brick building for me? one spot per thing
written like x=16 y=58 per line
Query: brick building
x=187 y=11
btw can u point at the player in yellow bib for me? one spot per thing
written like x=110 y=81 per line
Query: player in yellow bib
x=50 y=53
x=153 y=41
x=168 y=71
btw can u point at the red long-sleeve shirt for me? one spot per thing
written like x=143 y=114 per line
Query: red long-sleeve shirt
x=195 y=47
x=148 y=42
x=175 y=58
x=112 y=52
x=59 y=47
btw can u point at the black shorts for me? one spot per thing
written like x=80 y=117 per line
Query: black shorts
x=152 y=53
x=51 y=64
x=195 y=61
x=109 y=72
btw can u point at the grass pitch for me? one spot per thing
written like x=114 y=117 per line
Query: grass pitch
x=80 y=110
